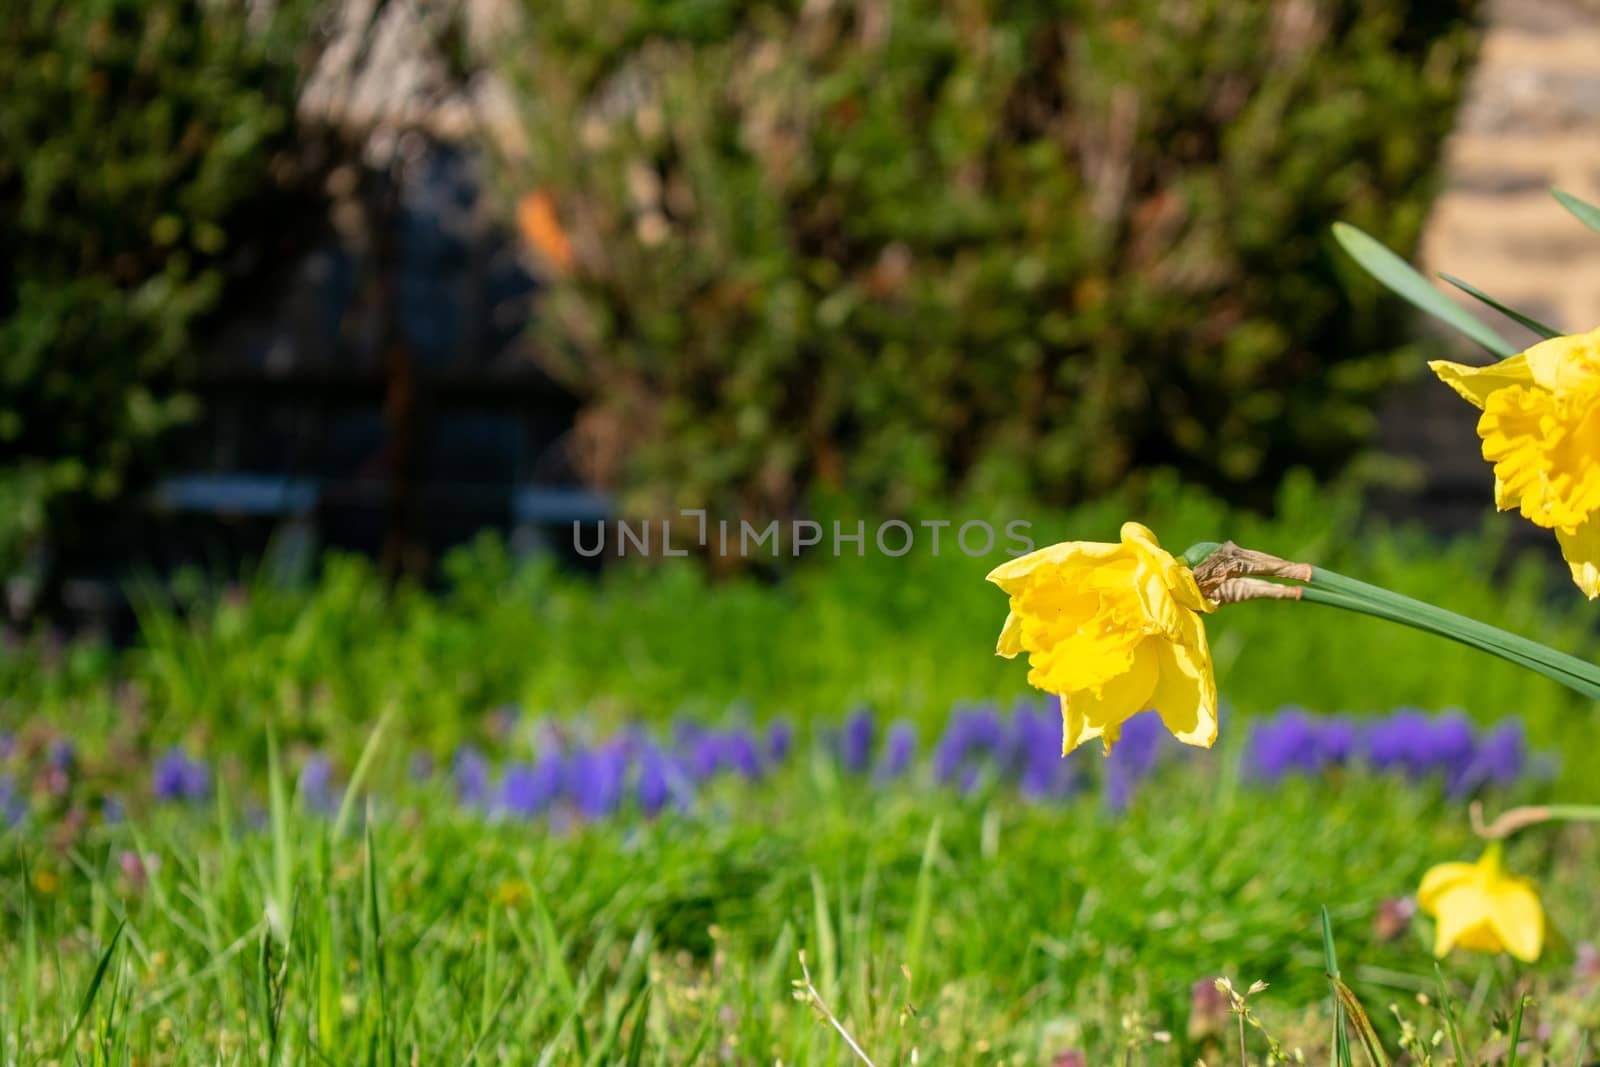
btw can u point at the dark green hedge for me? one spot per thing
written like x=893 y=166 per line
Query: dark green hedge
x=143 y=167
x=900 y=245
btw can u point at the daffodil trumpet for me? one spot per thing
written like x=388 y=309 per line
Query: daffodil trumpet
x=1229 y=574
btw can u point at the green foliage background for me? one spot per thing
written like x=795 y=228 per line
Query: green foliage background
x=144 y=166
x=900 y=244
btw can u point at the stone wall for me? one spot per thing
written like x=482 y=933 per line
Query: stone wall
x=1531 y=120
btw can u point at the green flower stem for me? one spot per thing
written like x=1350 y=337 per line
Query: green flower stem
x=1572 y=812
x=1514 y=819
x=1335 y=590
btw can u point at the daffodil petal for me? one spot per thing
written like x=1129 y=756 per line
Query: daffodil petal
x=1580 y=547
x=1518 y=919
x=1563 y=363
x=1015 y=570
x=1462 y=911
x=1010 y=642
x=1186 y=691
x=1438 y=880
x=1105 y=710
x=1476 y=383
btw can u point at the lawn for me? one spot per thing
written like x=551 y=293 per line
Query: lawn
x=542 y=818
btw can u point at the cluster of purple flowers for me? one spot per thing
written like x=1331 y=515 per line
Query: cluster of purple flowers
x=1445 y=748
x=598 y=780
x=980 y=746
x=980 y=749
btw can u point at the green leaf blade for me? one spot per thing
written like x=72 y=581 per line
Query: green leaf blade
x=1405 y=281
x=1582 y=210
x=1547 y=332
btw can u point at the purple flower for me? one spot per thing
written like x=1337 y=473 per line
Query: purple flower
x=1133 y=758
x=1296 y=742
x=180 y=777
x=1452 y=747
x=1401 y=742
x=739 y=752
x=780 y=740
x=1338 y=739
x=661 y=782
x=970 y=742
x=700 y=750
x=62 y=756
x=595 y=780
x=1500 y=758
x=899 y=748
x=528 y=789
x=13 y=805
x=1042 y=774
x=856 y=741
x=1442 y=747
x=316 y=783
x=470 y=770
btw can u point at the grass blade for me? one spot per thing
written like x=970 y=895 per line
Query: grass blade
x=493 y=1021
x=383 y=1034
x=1582 y=210
x=1404 y=280
x=827 y=947
x=282 y=853
x=1450 y=1017
x=369 y=752
x=1516 y=1032
x=1364 y=1028
x=921 y=904
x=93 y=990
x=1341 y=1040
x=641 y=1021
x=1473 y=291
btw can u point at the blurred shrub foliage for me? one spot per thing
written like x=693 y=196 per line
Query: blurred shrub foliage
x=142 y=155
x=903 y=244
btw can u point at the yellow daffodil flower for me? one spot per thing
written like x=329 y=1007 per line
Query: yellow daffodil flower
x=1541 y=430
x=1113 y=629
x=1478 y=906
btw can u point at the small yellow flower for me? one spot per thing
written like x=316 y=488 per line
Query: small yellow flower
x=1541 y=430
x=1479 y=906
x=1113 y=629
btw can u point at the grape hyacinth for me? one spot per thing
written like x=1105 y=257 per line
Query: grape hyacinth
x=316 y=784
x=1133 y=759
x=179 y=777
x=13 y=805
x=899 y=749
x=780 y=740
x=595 y=780
x=1410 y=743
x=857 y=740
x=528 y=789
x=470 y=772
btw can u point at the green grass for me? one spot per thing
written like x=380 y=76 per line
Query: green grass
x=425 y=933
x=980 y=930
